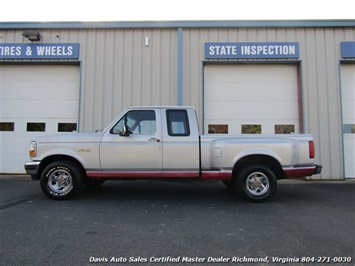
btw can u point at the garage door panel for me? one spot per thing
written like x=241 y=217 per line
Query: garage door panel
x=348 y=112
x=13 y=144
x=249 y=94
x=242 y=73
x=348 y=90
x=349 y=155
x=44 y=95
x=278 y=92
x=252 y=110
x=235 y=126
x=13 y=163
x=38 y=73
x=39 y=109
x=41 y=91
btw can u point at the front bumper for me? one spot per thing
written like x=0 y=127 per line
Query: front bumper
x=32 y=169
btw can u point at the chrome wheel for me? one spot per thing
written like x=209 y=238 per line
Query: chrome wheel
x=60 y=181
x=257 y=183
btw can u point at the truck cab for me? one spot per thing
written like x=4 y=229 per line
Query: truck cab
x=151 y=142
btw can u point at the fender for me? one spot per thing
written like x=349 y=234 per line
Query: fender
x=253 y=152
x=85 y=156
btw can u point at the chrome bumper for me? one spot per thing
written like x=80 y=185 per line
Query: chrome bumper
x=32 y=169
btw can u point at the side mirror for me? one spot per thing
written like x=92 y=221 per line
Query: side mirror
x=126 y=131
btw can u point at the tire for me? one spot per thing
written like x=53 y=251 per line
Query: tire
x=256 y=183
x=61 y=180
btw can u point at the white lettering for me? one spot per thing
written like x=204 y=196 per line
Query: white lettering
x=93 y=259
x=268 y=50
x=54 y=50
x=217 y=47
x=292 y=49
x=219 y=259
x=40 y=50
x=10 y=51
x=116 y=259
x=211 y=50
x=223 y=50
x=70 y=50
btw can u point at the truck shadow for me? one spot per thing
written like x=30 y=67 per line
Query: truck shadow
x=299 y=192
x=160 y=190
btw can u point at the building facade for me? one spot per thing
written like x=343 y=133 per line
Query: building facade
x=242 y=77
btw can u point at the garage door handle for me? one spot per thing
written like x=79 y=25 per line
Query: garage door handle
x=154 y=140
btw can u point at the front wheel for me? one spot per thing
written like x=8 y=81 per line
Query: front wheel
x=61 y=180
x=256 y=183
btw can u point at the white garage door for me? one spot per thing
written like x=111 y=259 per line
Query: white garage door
x=249 y=99
x=35 y=100
x=348 y=105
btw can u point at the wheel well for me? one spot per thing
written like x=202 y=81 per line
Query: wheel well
x=266 y=160
x=46 y=161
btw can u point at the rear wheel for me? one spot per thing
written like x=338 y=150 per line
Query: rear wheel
x=256 y=183
x=61 y=180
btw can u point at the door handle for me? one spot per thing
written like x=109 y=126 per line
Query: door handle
x=154 y=139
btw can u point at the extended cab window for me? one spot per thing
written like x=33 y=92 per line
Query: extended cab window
x=178 y=123
x=138 y=122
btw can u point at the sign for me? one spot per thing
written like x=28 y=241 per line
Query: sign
x=39 y=51
x=251 y=50
x=348 y=49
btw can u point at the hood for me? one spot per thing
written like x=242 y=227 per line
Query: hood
x=70 y=138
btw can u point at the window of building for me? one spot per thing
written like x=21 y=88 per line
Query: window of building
x=7 y=126
x=36 y=127
x=251 y=129
x=66 y=127
x=349 y=128
x=284 y=129
x=217 y=129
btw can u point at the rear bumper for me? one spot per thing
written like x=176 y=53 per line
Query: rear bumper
x=318 y=169
x=302 y=171
x=32 y=169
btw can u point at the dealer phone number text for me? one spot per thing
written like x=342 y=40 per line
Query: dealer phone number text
x=326 y=259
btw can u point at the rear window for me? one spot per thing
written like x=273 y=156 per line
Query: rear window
x=178 y=123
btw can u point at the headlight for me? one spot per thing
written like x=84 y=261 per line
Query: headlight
x=33 y=149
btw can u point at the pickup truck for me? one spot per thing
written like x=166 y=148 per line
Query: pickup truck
x=165 y=143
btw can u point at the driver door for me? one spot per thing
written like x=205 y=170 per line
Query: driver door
x=133 y=146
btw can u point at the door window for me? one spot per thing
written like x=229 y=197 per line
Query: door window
x=141 y=122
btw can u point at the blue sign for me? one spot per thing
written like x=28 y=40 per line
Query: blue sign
x=348 y=49
x=39 y=51
x=251 y=50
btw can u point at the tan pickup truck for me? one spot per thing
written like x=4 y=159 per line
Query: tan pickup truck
x=165 y=143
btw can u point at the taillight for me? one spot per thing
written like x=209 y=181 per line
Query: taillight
x=311 y=149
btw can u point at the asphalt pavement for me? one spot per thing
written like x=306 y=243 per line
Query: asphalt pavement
x=177 y=223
